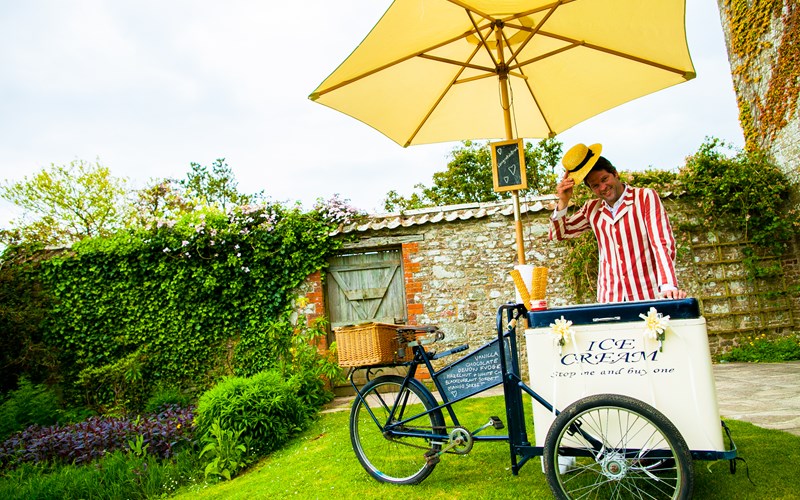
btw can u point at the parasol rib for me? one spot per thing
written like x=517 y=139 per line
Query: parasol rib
x=617 y=53
x=439 y=100
x=457 y=63
x=318 y=94
x=481 y=37
x=489 y=75
x=552 y=53
x=550 y=131
x=533 y=32
x=469 y=8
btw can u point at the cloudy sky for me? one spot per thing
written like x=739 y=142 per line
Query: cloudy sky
x=148 y=86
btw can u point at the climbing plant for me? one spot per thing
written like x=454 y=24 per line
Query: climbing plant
x=745 y=192
x=750 y=24
x=194 y=298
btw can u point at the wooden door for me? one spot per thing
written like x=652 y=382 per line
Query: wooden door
x=366 y=286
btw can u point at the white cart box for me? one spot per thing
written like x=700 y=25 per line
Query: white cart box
x=611 y=353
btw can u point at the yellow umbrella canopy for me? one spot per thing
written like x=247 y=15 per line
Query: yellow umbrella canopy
x=446 y=70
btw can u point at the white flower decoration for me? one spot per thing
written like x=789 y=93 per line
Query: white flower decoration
x=655 y=326
x=562 y=330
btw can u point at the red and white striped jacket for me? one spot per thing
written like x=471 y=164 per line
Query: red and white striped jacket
x=636 y=246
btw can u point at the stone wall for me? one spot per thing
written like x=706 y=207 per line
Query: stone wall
x=763 y=42
x=457 y=262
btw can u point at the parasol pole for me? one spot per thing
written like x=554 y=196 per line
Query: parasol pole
x=502 y=73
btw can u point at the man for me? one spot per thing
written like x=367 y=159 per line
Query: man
x=634 y=237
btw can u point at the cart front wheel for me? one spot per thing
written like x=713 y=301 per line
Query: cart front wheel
x=614 y=446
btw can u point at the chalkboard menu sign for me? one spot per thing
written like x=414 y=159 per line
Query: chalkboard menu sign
x=475 y=372
x=508 y=165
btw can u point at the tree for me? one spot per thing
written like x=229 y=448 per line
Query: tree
x=163 y=199
x=66 y=203
x=468 y=178
x=215 y=186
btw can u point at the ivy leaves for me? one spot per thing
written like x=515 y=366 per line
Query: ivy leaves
x=199 y=296
x=746 y=192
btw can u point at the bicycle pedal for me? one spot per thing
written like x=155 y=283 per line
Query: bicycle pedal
x=496 y=422
x=432 y=457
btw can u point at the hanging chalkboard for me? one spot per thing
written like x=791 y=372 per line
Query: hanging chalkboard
x=475 y=372
x=508 y=165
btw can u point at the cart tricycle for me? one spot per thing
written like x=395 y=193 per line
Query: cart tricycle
x=623 y=441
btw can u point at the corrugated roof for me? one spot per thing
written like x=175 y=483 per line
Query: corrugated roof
x=448 y=213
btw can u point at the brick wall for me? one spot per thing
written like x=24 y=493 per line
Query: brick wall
x=456 y=272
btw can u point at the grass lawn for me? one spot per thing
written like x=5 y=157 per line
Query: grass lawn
x=320 y=464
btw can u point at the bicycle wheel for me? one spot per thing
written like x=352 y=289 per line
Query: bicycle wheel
x=389 y=458
x=614 y=446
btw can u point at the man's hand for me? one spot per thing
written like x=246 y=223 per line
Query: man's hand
x=673 y=294
x=564 y=191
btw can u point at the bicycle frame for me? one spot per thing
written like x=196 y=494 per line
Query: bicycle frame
x=509 y=376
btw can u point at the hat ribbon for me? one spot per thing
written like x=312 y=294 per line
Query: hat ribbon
x=589 y=154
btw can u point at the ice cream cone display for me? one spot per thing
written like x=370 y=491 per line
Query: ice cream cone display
x=522 y=288
x=538 y=289
x=539 y=283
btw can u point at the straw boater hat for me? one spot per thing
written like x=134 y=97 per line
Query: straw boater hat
x=580 y=159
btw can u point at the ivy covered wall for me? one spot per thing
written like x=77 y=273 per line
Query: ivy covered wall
x=763 y=41
x=179 y=304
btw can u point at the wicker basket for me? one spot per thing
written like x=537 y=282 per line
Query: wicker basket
x=369 y=344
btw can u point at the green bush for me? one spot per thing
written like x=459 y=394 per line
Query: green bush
x=312 y=372
x=265 y=407
x=225 y=451
x=115 y=387
x=164 y=396
x=181 y=302
x=28 y=405
x=745 y=192
x=760 y=349
x=117 y=475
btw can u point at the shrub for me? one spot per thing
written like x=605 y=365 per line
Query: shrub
x=30 y=404
x=164 y=397
x=115 y=387
x=265 y=407
x=760 y=349
x=225 y=451
x=746 y=192
x=116 y=475
x=310 y=371
x=163 y=433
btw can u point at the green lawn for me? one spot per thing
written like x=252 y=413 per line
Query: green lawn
x=320 y=464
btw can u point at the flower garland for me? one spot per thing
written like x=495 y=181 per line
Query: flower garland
x=655 y=326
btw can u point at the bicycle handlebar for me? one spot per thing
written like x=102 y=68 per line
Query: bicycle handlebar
x=424 y=335
x=451 y=351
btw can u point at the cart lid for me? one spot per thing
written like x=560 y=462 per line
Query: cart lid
x=618 y=312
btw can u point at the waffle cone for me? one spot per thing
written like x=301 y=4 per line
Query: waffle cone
x=539 y=283
x=521 y=288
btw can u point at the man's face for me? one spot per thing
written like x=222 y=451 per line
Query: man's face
x=605 y=185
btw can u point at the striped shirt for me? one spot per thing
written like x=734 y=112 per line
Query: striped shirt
x=636 y=245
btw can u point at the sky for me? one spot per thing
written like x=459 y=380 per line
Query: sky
x=146 y=87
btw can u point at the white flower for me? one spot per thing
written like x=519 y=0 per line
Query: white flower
x=655 y=325
x=562 y=330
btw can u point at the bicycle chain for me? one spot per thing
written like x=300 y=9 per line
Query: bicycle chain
x=411 y=445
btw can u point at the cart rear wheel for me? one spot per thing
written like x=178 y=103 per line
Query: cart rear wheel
x=387 y=457
x=614 y=446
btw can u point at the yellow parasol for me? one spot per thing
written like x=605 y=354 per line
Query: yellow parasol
x=447 y=70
